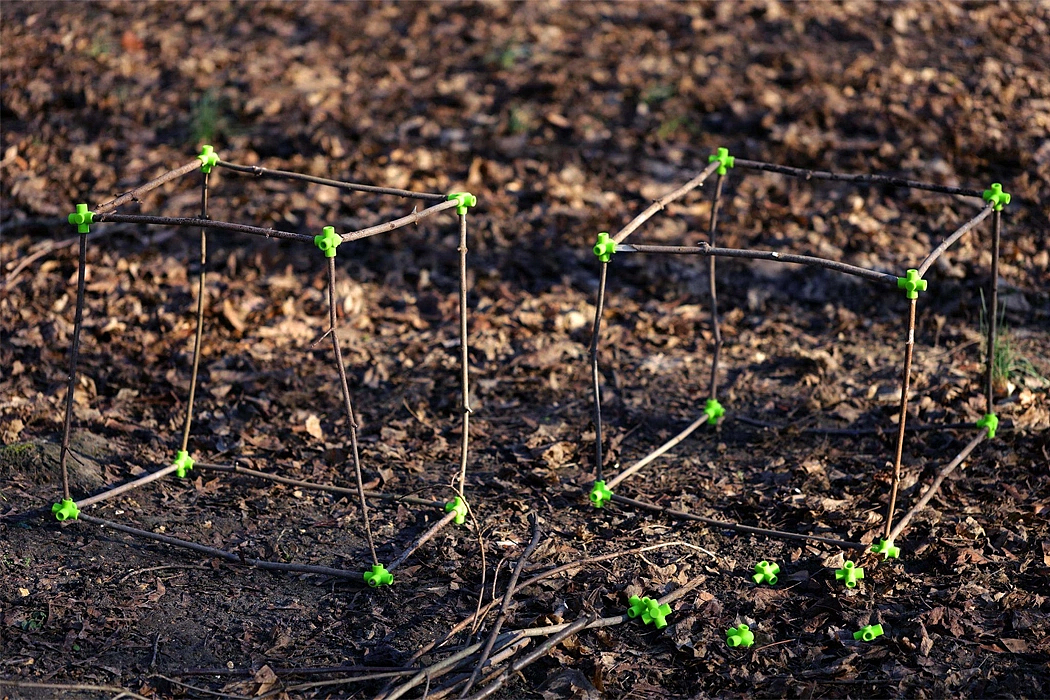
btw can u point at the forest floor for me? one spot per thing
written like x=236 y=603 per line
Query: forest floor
x=564 y=120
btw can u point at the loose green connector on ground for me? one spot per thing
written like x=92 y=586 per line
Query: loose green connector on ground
x=208 y=158
x=600 y=494
x=887 y=549
x=328 y=241
x=378 y=576
x=65 y=510
x=766 y=572
x=990 y=422
x=465 y=200
x=724 y=160
x=868 y=633
x=714 y=411
x=650 y=611
x=605 y=247
x=996 y=196
x=82 y=218
x=740 y=636
x=912 y=284
x=459 y=508
x=849 y=574
x=183 y=464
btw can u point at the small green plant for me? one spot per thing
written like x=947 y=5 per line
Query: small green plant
x=1007 y=363
x=208 y=117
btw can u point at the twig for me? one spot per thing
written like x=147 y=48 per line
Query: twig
x=196 y=222
x=464 y=356
x=869 y=179
x=713 y=288
x=222 y=554
x=703 y=248
x=936 y=485
x=852 y=431
x=902 y=417
x=78 y=324
x=947 y=242
x=658 y=452
x=993 y=313
x=736 y=527
x=664 y=201
x=135 y=194
x=505 y=608
x=317 y=487
x=198 y=335
x=340 y=184
x=599 y=305
x=205 y=691
x=398 y=223
x=423 y=539
x=123 y=692
x=124 y=488
x=48 y=246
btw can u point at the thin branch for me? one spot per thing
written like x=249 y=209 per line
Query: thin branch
x=398 y=223
x=842 y=177
x=71 y=381
x=196 y=222
x=902 y=416
x=73 y=687
x=652 y=456
x=135 y=194
x=659 y=204
x=340 y=184
x=423 y=539
x=947 y=242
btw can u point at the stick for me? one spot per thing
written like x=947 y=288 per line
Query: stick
x=947 y=242
x=398 y=223
x=717 y=350
x=222 y=554
x=128 y=486
x=870 y=179
x=464 y=356
x=664 y=201
x=259 y=171
x=703 y=248
x=658 y=452
x=133 y=195
x=738 y=528
x=993 y=314
x=902 y=418
x=198 y=335
x=195 y=222
x=74 y=352
x=936 y=485
x=599 y=305
x=423 y=539
x=351 y=423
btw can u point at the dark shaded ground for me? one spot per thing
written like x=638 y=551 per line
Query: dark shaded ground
x=565 y=120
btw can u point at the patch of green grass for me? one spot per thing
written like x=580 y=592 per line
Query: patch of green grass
x=208 y=119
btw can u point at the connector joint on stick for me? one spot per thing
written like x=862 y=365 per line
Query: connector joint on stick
x=328 y=241
x=912 y=284
x=208 y=158
x=996 y=196
x=723 y=159
x=82 y=218
x=459 y=507
x=989 y=422
x=600 y=493
x=183 y=464
x=464 y=201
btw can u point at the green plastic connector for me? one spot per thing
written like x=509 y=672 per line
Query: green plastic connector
x=868 y=633
x=740 y=636
x=714 y=411
x=766 y=572
x=990 y=422
x=82 y=218
x=604 y=247
x=459 y=508
x=849 y=574
x=328 y=241
x=183 y=464
x=465 y=200
x=996 y=196
x=650 y=611
x=208 y=158
x=724 y=160
x=887 y=549
x=65 y=510
x=600 y=494
x=378 y=576
x=912 y=284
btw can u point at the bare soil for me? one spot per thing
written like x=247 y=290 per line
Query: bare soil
x=565 y=120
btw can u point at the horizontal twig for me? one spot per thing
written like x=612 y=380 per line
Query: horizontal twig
x=398 y=223
x=209 y=224
x=340 y=184
x=153 y=184
x=861 y=178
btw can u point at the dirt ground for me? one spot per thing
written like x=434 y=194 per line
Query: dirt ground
x=564 y=120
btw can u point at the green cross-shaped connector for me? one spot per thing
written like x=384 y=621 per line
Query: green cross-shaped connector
x=650 y=611
x=82 y=218
x=378 y=576
x=912 y=284
x=183 y=464
x=868 y=633
x=724 y=160
x=328 y=241
x=600 y=494
x=850 y=573
x=740 y=636
x=464 y=201
x=208 y=158
x=990 y=422
x=459 y=508
x=604 y=247
x=65 y=510
x=996 y=196
x=887 y=549
x=766 y=572
x=714 y=411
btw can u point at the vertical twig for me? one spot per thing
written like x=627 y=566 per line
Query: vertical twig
x=200 y=317
x=598 y=307
x=349 y=409
x=993 y=314
x=905 y=386
x=78 y=320
x=717 y=352
x=464 y=354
